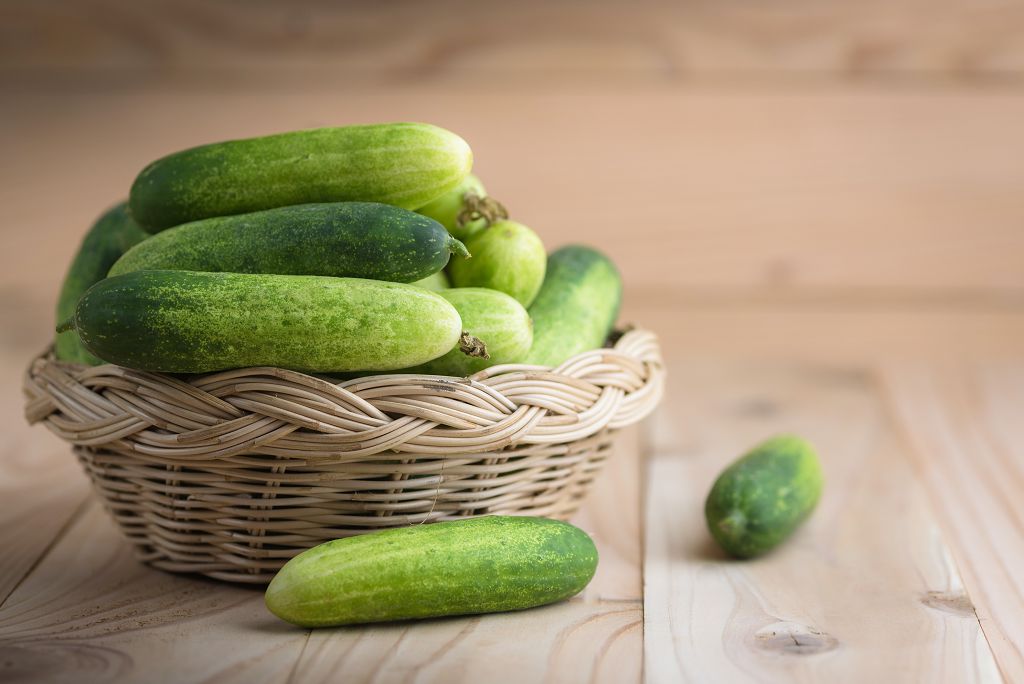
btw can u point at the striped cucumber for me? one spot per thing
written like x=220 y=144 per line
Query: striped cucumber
x=111 y=236
x=191 y=322
x=464 y=567
x=576 y=307
x=405 y=164
x=508 y=257
x=353 y=239
x=760 y=500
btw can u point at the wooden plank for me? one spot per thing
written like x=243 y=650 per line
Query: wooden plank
x=550 y=42
x=866 y=591
x=89 y=612
x=965 y=426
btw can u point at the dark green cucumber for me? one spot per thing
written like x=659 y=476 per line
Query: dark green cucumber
x=352 y=239
x=436 y=282
x=405 y=164
x=759 y=500
x=466 y=567
x=190 y=322
x=111 y=236
x=446 y=208
x=508 y=257
x=576 y=307
x=495 y=319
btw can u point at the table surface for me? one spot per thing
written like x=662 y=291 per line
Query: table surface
x=819 y=213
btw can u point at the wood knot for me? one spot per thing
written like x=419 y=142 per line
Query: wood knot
x=956 y=603
x=792 y=638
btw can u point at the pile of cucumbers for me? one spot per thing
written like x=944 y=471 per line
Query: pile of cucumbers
x=335 y=250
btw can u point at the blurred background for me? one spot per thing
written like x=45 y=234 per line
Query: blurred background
x=805 y=179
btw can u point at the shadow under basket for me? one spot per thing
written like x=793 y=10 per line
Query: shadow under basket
x=230 y=474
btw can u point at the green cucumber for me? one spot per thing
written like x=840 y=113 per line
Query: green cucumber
x=191 y=322
x=497 y=320
x=576 y=308
x=759 y=500
x=405 y=164
x=111 y=236
x=508 y=257
x=465 y=567
x=436 y=282
x=446 y=208
x=353 y=239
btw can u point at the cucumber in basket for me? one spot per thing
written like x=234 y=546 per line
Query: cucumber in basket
x=110 y=237
x=508 y=257
x=191 y=322
x=355 y=239
x=576 y=307
x=405 y=164
x=447 y=208
x=480 y=565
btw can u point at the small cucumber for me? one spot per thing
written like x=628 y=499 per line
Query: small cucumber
x=508 y=257
x=759 y=500
x=494 y=318
x=436 y=282
x=446 y=208
x=111 y=236
x=576 y=307
x=405 y=164
x=353 y=239
x=465 y=567
x=191 y=322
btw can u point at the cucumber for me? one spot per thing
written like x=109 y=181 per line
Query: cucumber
x=405 y=164
x=496 y=319
x=759 y=500
x=355 y=239
x=435 y=282
x=192 y=322
x=446 y=208
x=576 y=307
x=508 y=257
x=465 y=567
x=110 y=237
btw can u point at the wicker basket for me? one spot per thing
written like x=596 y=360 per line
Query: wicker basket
x=233 y=473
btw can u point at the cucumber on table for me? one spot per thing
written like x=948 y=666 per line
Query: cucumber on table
x=110 y=237
x=405 y=164
x=446 y=208
x=191 y=322
x=759 y=500
x=508 y=257
x=576 y=307
x=479 y=565
x=495 y=319
x=350 y=239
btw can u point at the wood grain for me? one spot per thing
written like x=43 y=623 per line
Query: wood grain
x=865 y=591
x=964 y=423
x=101 y=41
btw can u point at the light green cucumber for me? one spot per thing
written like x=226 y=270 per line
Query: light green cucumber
x=192 y=322
x=496 y=320
x=760 y=500
x=344 y=239
x=436 y=282
x=446 y=208
x=576 y=308
x=404 y=164
x=111 y=236
x=508 y=257
x=465 y=567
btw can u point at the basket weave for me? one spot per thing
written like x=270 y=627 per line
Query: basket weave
x=231 y=474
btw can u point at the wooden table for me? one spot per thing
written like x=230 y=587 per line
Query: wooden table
x=820 y=213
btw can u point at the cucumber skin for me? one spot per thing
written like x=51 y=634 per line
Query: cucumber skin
x=404 y=164
x=465 y=567
x=576 y=307
x=508 y=257
x=446 y=208
x=112 y=235
x=437 y=282
x=344 y=239
x=190 y=322
x=759 y=500
x=499 y=321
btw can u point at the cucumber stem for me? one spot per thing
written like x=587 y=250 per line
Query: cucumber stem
x=476 y=207
x=456 y=247
x=64 y=326
x=473 y=346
